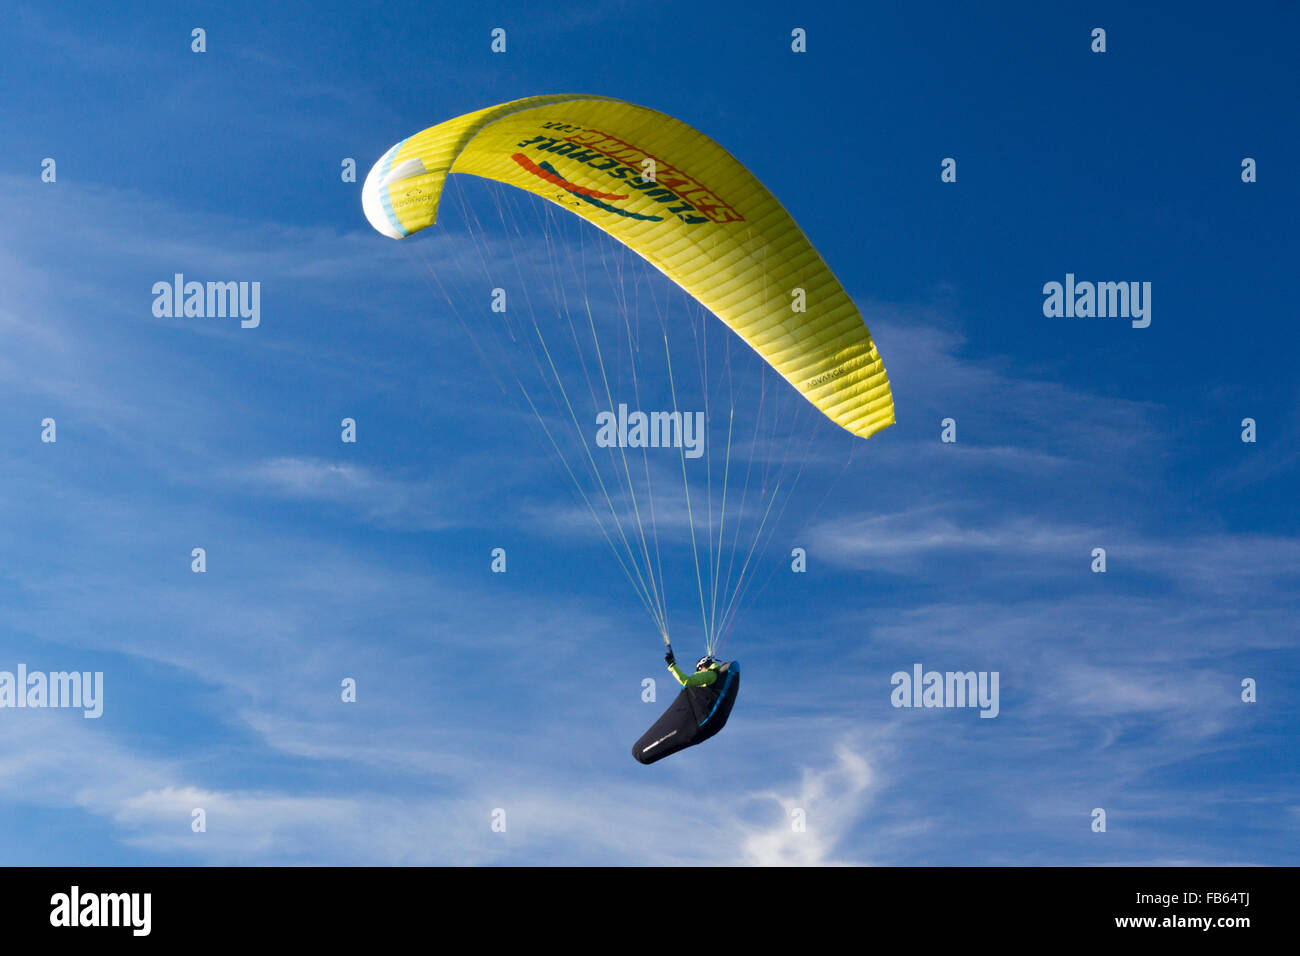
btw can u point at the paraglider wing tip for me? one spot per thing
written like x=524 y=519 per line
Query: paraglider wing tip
x=374 y=200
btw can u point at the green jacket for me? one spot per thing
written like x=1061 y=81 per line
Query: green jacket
x=699 y=679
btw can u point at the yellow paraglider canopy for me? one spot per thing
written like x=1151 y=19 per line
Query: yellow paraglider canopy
x=678 y=199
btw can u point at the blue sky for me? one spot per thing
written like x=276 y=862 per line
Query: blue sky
x=522 y=691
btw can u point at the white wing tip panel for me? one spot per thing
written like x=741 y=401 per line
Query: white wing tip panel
x=374 y=194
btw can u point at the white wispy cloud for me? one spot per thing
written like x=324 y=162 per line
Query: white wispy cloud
x=58 y=762
x=819 y=812
x=371 y=495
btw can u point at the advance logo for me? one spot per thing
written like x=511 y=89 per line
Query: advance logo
x=102 y=909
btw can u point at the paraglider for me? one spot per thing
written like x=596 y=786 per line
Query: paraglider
x=699 y=711
x=684 y=204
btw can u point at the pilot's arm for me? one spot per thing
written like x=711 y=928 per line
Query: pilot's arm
x=699 y=679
